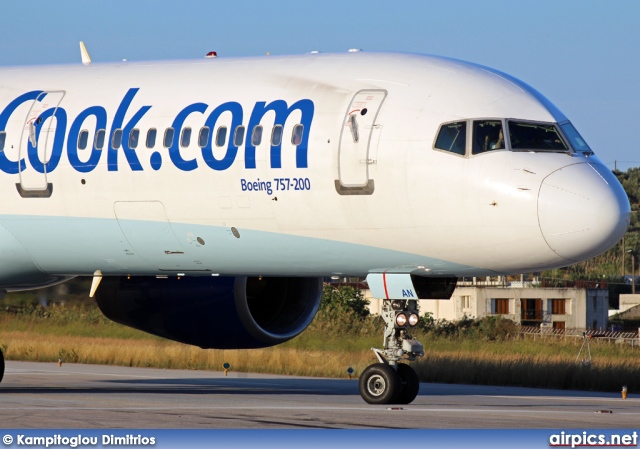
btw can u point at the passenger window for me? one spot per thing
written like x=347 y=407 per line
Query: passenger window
x=203 y=137
x=151 y=138
x=168 y=137
x=276 y=135
x=3 y=138
x=221 y=136
x=256 y=136
x=487 y=136
x=117 y=139
x=296 y=137
x=134 y=137
x=83 y=139
x=238 y=137
x=529 y=136
x=453 y=137
x=185 y=138
x=99 y=140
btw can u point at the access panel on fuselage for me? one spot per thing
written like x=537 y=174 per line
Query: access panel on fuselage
x=148 y=231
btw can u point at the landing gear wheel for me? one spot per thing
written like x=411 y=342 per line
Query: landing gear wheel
x=390 y=382
x=410 y=384
x=1 y=365
x=379 y=384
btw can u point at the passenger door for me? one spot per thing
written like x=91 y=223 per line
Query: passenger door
x=38 y=137
x=358 y=127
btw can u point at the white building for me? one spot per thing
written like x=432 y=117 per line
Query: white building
x=628 y=302
x=558 y=308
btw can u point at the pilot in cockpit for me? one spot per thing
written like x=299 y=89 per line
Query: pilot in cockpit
x=494 y=140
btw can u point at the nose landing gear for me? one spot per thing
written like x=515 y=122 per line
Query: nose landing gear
x=390 y=382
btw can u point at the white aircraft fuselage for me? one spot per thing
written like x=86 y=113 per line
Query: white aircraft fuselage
x=209 y=198
x=343 y=193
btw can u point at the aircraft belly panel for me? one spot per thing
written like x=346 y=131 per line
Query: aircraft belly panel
x=145 y=226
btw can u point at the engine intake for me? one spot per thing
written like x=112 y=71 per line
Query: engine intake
x=221 y=312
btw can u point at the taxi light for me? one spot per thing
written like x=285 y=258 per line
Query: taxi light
x=413 y=319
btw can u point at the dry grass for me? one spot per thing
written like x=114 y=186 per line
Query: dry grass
x=543 y=371
x=326 y=349
x=165 y=354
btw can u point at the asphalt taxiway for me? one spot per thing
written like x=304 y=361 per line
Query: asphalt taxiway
x=43 y=395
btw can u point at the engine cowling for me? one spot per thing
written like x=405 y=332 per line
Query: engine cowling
x=217 y=312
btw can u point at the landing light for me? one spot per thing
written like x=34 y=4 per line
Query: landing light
x=401 y=319
x=413 y=319
x=397 y=305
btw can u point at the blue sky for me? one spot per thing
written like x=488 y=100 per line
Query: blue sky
x=583 y=55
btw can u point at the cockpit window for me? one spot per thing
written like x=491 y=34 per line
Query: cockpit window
x=452 y=137
x=576 y=140
x=487 y=136
x=529 y=136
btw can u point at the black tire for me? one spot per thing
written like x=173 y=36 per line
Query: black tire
x=410 y=384
x=379 y=384
x=1 y=365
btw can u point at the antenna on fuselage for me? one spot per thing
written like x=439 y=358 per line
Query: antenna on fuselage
x=84 y=54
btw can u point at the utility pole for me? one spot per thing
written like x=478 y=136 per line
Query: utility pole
x=633 y=272
x=623 y=253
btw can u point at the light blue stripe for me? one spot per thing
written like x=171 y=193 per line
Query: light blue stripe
x=77 y=246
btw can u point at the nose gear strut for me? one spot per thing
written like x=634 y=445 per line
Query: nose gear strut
x=390 y=382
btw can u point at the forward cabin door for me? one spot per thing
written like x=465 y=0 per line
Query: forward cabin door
x=358 y=127
x=37 y=142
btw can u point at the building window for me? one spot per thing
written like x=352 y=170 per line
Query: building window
x=558 y=324
x=531 y=309
x=558 y=306
x=466 y=301
x=500 y=306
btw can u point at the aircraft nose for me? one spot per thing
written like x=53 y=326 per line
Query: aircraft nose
x=582 y=210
